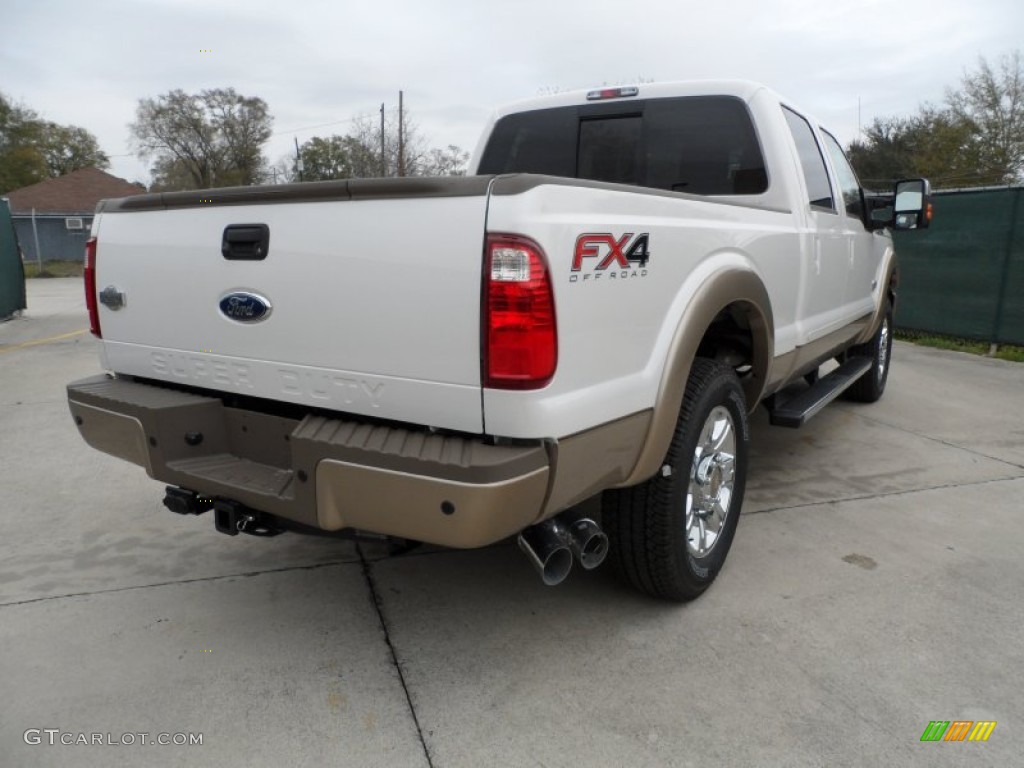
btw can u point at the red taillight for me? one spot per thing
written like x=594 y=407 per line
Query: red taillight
x=520 y=345
x=90 y=287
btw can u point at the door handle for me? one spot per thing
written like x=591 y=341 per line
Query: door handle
x=245 y=242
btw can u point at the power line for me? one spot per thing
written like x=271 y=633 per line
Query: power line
x=323 y=125
x=311 y=127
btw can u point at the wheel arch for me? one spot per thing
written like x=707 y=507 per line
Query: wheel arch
x=891 y=285
x=729 y=315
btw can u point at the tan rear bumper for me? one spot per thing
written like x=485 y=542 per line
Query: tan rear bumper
x=328 y=473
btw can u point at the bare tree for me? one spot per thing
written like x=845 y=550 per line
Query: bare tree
x=450 y=161
x=282 y=171
x=211 y=138
x=366 y=134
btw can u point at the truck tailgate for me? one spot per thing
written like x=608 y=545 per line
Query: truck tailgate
x=373 y=297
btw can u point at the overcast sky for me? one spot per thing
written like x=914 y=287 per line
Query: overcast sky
x=324 y=61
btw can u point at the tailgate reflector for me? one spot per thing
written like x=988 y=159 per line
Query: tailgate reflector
x=91 y=302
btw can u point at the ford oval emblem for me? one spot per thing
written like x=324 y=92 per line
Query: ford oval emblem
x=245 y=307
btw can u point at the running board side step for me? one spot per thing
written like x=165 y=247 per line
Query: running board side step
x=795 y=411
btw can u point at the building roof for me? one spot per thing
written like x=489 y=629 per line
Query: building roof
x=77 y=193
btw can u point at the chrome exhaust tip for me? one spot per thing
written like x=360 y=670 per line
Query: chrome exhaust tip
x=588 y=543
x=545 y=547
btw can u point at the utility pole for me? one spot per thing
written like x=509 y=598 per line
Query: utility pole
x=298 y=159
x=401 y=137
x=383 y=160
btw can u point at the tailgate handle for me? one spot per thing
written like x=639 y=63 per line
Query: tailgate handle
x=245 y=242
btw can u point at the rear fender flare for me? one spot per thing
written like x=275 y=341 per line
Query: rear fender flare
x=724 y=287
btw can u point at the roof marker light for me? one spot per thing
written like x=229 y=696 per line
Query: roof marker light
x=612 y=93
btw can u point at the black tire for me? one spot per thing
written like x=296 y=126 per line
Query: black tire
x=647 y=524
x=869 y=387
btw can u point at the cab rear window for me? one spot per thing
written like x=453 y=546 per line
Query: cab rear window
x=704 y=145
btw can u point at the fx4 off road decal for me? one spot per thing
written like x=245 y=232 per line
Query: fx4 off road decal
x=603 y=256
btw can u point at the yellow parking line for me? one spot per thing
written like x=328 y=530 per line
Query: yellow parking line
x=37 y=342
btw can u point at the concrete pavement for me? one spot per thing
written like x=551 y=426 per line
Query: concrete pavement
x=874 y=586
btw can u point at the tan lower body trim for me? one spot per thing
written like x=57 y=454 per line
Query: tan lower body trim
x=425 y=508
x=591 y=461
x=114 y=433
x=453 y=490
x=792 y=365
x=890 y=285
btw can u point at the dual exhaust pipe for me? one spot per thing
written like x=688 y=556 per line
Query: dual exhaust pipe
x=552 y=545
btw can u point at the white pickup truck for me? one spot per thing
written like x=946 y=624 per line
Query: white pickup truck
x=625 y=274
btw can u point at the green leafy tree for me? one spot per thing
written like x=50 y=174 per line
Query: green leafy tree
x=370 y=150
x=935 y=143
x=946 y=149
x=357 y=155
x=32 y=149
x=213 y=138
x=169 y=175
x=66 y=148
x=885 y=152
x=991 y=100
x=975 y=139
x=21 y=163
x=328 y=158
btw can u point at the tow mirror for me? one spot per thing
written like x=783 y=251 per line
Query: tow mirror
x=912 y=208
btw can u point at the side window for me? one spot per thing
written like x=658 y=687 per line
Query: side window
x=542 y=141
x=846 y=176
x=818 y=188
x=705 y=145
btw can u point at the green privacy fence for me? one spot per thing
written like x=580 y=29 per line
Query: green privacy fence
x=12 y=274
x=964 y=275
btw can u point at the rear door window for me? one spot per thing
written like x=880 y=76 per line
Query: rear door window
x=819 y=190
x=849 y=185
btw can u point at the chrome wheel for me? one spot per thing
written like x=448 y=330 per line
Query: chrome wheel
x=669 y=536
x=712 y=479
x=883 y=348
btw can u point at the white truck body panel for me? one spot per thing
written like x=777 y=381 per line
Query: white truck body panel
x=371 y=314
x=614 y=333
x=377 y=302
